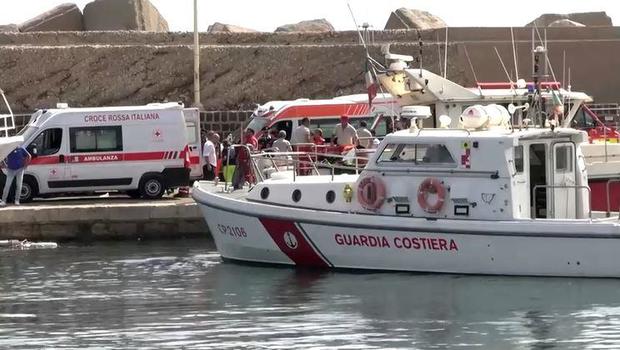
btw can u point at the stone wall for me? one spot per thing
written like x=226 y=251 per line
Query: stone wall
x=239 y=69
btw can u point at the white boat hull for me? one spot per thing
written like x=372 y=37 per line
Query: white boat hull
x=8 y=144
x=255 y=232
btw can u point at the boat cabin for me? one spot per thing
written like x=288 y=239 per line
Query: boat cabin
x=496 y=174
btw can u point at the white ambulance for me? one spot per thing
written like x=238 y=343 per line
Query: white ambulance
x=140 y=150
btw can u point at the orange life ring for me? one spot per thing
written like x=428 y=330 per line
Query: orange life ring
x=431 y=185
x=371 y=193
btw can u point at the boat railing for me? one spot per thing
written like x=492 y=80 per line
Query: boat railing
x=304 y=163
x=301 y=163
x=7 y=121
x=575 y=187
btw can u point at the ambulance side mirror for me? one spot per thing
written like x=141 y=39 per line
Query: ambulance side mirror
x=32 y=149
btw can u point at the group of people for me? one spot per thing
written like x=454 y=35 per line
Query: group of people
x=344 y=133
x=221 y=155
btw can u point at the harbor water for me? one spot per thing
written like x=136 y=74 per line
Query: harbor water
x=180 y=295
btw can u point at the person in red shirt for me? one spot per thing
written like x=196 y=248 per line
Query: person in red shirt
x=243 y=171
x=250 y=139
x=317 y=137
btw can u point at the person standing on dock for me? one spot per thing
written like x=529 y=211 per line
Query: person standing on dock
x=16 y=163
x=209 y=153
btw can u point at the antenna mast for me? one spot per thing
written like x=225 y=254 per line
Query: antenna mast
x=439 y=55
x=514 y=54
x=445 y=58
x=504 y=67
x=471 y=66
x=420 y=52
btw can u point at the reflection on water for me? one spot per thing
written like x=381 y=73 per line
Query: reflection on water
x=180 y=295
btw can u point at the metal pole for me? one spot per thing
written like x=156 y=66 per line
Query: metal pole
x=196 y=59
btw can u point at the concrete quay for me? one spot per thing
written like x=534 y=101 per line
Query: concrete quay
x=102 y=219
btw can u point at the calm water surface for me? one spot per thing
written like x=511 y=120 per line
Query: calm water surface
x=179 y=295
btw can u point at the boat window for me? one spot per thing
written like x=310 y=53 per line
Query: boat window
x=564 y=159
x=96 y=139
x=419 y=154
x=518 y=158
x=582 y=120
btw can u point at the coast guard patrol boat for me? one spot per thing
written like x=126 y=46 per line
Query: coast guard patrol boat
x=484 y=198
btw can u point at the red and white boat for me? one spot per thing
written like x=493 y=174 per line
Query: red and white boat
x=482 y=199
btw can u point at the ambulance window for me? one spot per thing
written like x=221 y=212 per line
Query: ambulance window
x=48 y=142
x=96 y=139
x=191 y=132
x=285 y=125
x=327 y=125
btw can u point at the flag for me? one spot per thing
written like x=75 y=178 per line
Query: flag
x=371 y=86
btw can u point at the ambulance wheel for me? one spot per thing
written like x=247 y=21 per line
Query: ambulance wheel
x=135 y=194
x=152 y=187
x=29 y=189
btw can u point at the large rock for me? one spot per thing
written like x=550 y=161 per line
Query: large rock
x=5 y=28
x=315 y=25
x=123 y=15
x=589 y=19
x=65 y=17
x=228 y=28
x=565 y=23
x=405 y=18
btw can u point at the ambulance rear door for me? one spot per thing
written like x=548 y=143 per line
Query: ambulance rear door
x=192 y=126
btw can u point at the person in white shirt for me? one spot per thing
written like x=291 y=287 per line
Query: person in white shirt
x=301 y=134
x=344 y=132
x=209 y=154
x=364 y=135
x=282 y=144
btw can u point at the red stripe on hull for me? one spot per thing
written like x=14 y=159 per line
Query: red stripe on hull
x=292 y=242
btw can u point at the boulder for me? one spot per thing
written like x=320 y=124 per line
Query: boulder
x=123 y=15
x=565 y=23
x=588 y=19
x=64 y=17
x=228 y=28
x=405 y=18
x=5 y=28
x=315 y=25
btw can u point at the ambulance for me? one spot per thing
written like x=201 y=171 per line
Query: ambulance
x=324 y=114
x=140 y=150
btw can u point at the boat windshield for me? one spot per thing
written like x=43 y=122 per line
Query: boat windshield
x=418 y=154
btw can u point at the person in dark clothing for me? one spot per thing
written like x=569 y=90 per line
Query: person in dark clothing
x=16 y=163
